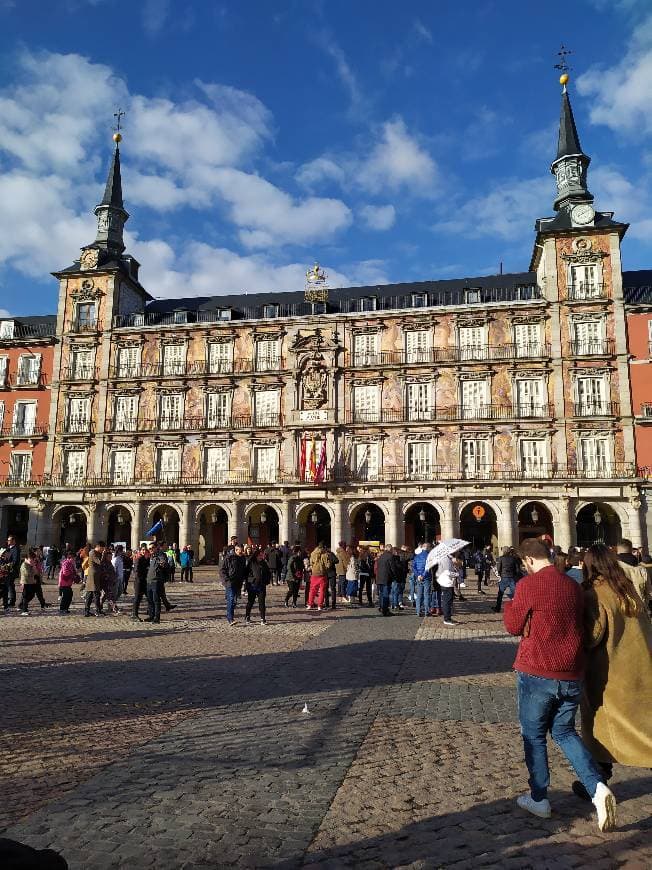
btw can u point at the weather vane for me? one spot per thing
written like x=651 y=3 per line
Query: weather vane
x=119 y=115
x=563 y=65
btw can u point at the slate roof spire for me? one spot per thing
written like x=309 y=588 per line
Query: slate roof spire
x=111 y=213
x=113 y=189
x=569 y=141
x=571 y=164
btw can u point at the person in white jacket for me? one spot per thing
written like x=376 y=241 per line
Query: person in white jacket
x=446 y=577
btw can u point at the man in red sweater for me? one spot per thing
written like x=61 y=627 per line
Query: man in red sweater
x=547 y=613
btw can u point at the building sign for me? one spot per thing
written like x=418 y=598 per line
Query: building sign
x=478 y=512
x=314 y=416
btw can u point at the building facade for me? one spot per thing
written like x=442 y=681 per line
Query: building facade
x=490 y=408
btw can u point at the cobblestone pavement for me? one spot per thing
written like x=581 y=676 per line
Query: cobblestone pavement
x=184 y=745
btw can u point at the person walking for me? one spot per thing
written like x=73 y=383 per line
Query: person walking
x=186 y=565
x=11 y=561
x=234 y=571
x=319 y=564
x=386 y=575
x=259 y=576
x=118 y=562
x=128 y=567
x=547 y=612
x=37 y=563
x=365 y=575
x=422 y=580
x=141 y=566
x=93 y=575
x=52 y=560
x=398 y=586
x=446 y=575
x=331 y=580
x=293 y=576
x=157 y=573
x=27 y=581
x=617 y=699
x=67 y=577
x=509 y=570
x=110 y=581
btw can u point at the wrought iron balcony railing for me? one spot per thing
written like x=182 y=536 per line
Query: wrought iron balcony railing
x=596 y=409
x=184 y=369
x=82 y=326
x=19 y=430
x=467 y=353
x=585 y=290
x=451 y=413
x=646 y=411
x=22 y=380
x=78 y=373
x=593 y=347
x=78 y=426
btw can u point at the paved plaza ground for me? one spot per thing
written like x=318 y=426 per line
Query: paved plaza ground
x=184 y=744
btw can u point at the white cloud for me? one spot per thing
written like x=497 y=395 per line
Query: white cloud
x=4 y=313
x=344 y=71
x=378 y=217
x=322 y=169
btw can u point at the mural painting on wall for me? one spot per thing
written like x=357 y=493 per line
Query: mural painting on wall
x=315 y=383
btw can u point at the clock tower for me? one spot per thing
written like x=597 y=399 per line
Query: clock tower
x=570 y=168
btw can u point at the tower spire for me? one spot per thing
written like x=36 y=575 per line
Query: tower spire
x=111 y=214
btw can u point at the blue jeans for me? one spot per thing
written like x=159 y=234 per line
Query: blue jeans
x=341 y=585
x=551 y=706
x=435 y=596
x=231 y=599
x=383 y=597
x=422 y=597
x=396 y=597
x=411 y=583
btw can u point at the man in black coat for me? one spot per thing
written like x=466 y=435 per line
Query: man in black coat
x=140 y=582
x=386 y=574
x=11 y=559
x=234 y=570
x=509 y=569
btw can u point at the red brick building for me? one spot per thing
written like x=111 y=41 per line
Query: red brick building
x=26 y=357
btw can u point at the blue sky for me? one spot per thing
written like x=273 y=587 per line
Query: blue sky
x=390 y=141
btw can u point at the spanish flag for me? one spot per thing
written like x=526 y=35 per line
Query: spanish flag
x=302 y=458
x=313 y=459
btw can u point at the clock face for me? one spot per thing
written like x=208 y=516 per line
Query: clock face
x=582 y=214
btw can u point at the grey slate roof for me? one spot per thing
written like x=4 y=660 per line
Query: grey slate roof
x=36 y=326
x=569 y=141
x=637 y=287
x=113 y=190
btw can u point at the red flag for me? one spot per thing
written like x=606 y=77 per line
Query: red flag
x=313 y=459
x=321 y=467
x=302 y=458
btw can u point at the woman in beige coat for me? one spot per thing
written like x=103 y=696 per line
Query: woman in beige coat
x=616 y=720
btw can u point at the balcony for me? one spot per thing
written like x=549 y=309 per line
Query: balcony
x=78 y=426
x=78 y=373
x=594 y=347
x=82 y=326
x=452 y=413
x=27 y=380
x=18 y=431
x=596 y=409
x=184 y=369
x=646 y=411
x=585 y=292
x=471 y=353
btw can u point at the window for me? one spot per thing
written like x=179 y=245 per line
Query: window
x=474 y=399
x=216 y=464
x=4 y=364
x=174 y=359
x=218 y=410
x=419 y=300
x=267 y=407
x=180 y=316
x=86 y=316
x=29 y=369
x=20 y=468
x=128 y=362
x=366 y=461
x=2 y=414
x=319 y=308
x=224 y=313
x=533 y=455
x=75 y=467
x=530 y=397
x=78 y=415
x=171 y=411
x=265 y=464
x=368 y=303
x=417 y=346
x=365 y=349
x=7 y=329
x=220 y=357
x=24 y=418
x=472 y=296
x=588 y=337
x=82 y=365
x=419 y=460
x=168 y=464
x=268 y=356
x=591 y=395
x=473 y=342
x=475 y=457
x=270 y=310
x=366 y=404
x=419 y=402
x=584 y=281
x=125 y=418
x=595 y=456
x=527 y=339
x=121 y=466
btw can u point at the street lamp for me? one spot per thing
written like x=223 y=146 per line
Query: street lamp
x=367 y=516
x=214 y=517
x=535 y=515
x=314 y=518
x=263 y=517
x=422 y=515
x=597 y=516
x=72 y=519
x=166 y=517
x=120 y=518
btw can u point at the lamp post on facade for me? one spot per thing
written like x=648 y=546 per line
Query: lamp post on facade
x=367 y=520
x=535 y=515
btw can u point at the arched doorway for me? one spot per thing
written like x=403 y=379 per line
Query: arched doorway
x=72 y=528
x=169 y=517
x=598 y=523
x=314 y=526
x=422 y=523
x=18 y=524
x=263 y=525
x=119 y=527
x=534 y=520
x=369 y=523
x=213 y=533
x=478 y=525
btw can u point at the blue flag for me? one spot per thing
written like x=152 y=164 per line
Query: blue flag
x=157 y=527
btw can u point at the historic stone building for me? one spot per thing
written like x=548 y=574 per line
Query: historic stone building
x=491 y=408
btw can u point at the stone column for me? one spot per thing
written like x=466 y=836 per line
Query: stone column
x=138 y=523
x=506 y=524
x=185 y=522
x=635 y=521
x=564 y=531
x=93 y=525
x=337 y=533
x=236 y=526
x=394 y=531
x=36 y=527
x=449 y=519
x=285 y=526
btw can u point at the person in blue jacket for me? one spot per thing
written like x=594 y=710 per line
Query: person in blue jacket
x=421 y=580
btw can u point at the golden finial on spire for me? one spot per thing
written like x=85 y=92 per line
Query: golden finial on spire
x=563 y=66
x=117 y=136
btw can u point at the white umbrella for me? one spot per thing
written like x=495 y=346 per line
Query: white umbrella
x=444 y=548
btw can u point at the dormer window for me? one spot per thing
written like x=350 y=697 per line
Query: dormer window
x=270 y=310
x=181 y=317
x=472 y=295
x=419 y=300
x=368 y=303
x=319 y=308
x=224 y=314
x=7 y=328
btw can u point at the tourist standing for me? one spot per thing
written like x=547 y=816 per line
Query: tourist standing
x=157 y=573
x=11 y=559
x=331 y=580
x=234 y=570
x=547 y=613
x=186 y=565
x=386 y=575
x=27 y=582
x=258 y=578
x=52 y=562
x=398 y=586
x=509 y=570
x=37 y=563
x=274 y=562
x=293 y=576
x=171 y=554
x=365 y=575
x=128 y=566
x=319 y=565
x=446 y=574
x=141 y=567
x=110 y=580
x=343 y=557
x=421 y=580
x=93 y=576
x=67 y=576
x=352 y=576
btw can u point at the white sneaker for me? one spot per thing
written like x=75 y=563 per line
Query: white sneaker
x=449 y=622
x=308 y=607
x=319 y=608
x=24 y=613
x=605 y=803
x=537 y=808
